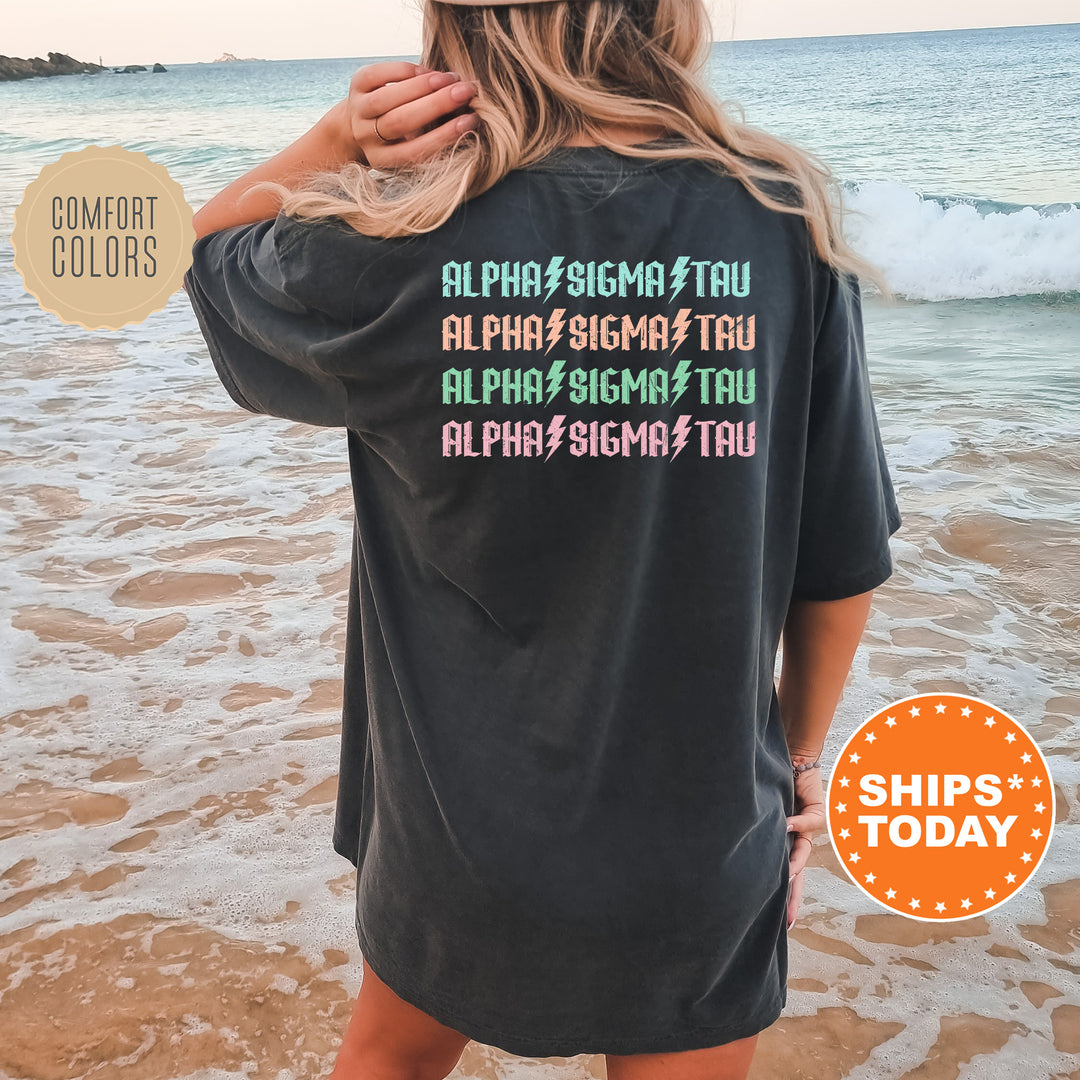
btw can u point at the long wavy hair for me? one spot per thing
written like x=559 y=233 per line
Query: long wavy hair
x=552 y=71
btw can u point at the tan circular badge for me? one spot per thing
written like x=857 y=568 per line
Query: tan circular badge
x=103 y=237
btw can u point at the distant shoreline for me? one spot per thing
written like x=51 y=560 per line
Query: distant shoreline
x=15 y=68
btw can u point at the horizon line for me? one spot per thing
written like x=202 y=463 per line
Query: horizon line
x=715 y=41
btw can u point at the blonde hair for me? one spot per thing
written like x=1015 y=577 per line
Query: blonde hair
x=548 y=72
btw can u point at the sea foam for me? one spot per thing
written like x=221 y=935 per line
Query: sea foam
x=941 y=247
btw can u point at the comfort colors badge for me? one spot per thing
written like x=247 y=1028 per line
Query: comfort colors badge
x=103 y=237
x=940 y=807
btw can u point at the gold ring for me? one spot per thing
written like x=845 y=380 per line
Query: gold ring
x=377 y=132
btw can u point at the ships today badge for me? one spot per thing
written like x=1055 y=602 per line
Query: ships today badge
x=941 y=807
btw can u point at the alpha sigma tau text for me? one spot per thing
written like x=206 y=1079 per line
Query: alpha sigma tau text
x=651 y=279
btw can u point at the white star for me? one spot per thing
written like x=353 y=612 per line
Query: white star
x=1026 y=857
x=1025 y=758
x=870 y=736
x=1010 y=878
x=841 y=807
x=990 y=721
x=913 y=903
x=965 y=711
x=990 y=894
x=891 y=721
x=1039 y=808
x=1015 y=781
x=1011 y=737
x=854 y=856
x=844 y=781
x=1036 y=781
x=890 y=894
x=1036 y=833
x=844 y=834
x=965 y=903
x=939 y=708
x=870 y=879
x=854 y=757
x=914 y=710
x=939 y=906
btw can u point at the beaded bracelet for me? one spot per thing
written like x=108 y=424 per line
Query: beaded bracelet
x=796 y=769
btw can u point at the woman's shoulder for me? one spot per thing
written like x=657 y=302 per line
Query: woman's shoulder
x=771 y=178
x=333 y=268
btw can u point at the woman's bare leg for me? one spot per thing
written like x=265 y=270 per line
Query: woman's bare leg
x=728 y=1062
x=389 y=1039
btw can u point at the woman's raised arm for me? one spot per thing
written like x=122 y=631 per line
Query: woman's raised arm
x=404 y=97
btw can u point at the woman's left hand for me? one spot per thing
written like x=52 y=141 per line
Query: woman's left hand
x=808 y=820
x=405 y=99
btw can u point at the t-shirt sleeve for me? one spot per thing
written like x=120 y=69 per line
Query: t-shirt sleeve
x=245 y=284
x=849 y=508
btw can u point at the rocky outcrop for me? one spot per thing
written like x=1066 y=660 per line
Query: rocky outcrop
x=14 y=67
x=228 y=58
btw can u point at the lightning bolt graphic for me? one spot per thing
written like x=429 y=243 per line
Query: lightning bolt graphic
x=554 y=379
x=680 y=271
x=555 y=325
x=681 y=326
x=553 y=275
x=681 y=376
x=555 y=433
x=681 y=431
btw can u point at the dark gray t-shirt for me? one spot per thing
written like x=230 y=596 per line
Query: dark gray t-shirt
x=603 y=425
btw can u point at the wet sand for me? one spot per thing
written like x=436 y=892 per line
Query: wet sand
x=170 y=903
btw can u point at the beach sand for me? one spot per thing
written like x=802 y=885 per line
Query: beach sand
x=170 y=903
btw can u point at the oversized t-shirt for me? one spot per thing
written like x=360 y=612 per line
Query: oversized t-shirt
x=603 y=425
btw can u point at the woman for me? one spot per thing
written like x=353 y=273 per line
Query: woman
x=597 y=349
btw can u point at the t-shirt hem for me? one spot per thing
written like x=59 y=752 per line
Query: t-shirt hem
x=343 y=849
x=203 y=309
x=842 y=588
x=565 y=1044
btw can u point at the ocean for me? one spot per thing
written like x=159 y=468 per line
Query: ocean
x=175 y=587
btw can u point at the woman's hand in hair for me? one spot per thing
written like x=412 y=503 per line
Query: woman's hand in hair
x=416 y=110
x=419 y=112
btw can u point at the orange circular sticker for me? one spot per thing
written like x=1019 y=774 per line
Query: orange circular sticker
x=103 y=237
x=940 y=807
